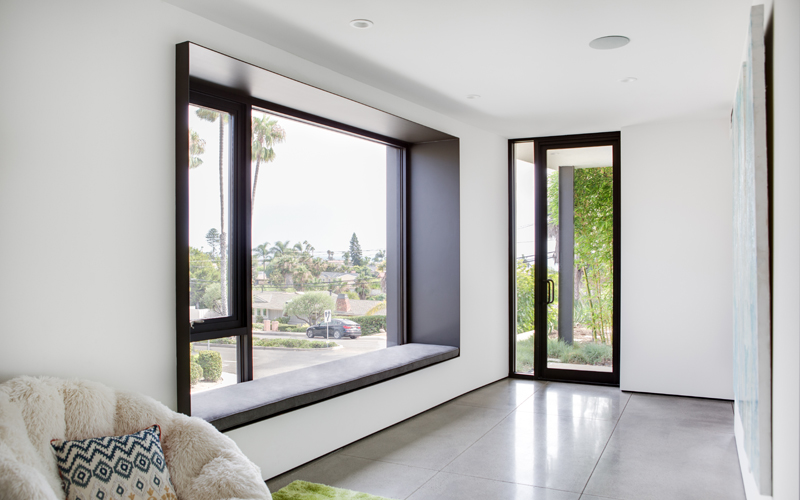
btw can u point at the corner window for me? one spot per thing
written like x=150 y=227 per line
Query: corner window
x=304 y=237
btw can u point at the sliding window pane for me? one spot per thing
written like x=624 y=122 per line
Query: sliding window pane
x=210 y=161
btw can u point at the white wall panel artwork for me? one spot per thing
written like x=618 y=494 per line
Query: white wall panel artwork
x=751 y=287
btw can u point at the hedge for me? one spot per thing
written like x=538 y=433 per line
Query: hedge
x=370 y=324
x=293 y=343
x=292 y=328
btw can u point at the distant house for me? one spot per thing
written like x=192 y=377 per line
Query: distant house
x=348 y=307
x=331 y=277
x=270 y=305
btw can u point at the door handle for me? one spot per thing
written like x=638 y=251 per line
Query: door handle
x=551 y=295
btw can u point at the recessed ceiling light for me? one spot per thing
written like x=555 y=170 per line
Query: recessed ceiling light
x=361 y=24
x=629 y=79
x=609 y=42
x=473 y=96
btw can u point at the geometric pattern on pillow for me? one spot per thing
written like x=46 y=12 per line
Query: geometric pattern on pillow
x=128 y=467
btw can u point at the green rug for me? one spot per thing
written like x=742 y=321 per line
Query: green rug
x=302 y=490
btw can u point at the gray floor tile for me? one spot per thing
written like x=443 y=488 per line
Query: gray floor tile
x=672 y=411
x=575 y=400
x=430 y=440
x=657 y=461
x=445 y=486
x=505 y=394
x=537 y=449
x=359 y=474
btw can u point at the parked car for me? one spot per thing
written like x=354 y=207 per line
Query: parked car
x=337 y=329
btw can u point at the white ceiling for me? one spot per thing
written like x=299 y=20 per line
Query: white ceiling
x=529 y=60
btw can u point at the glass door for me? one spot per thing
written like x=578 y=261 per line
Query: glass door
x=572 y=273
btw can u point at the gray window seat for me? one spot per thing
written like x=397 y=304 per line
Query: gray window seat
x=240 y=404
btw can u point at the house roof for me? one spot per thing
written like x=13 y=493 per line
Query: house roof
x=276 y=301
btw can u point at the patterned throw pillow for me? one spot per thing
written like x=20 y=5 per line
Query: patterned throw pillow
x=128 y=467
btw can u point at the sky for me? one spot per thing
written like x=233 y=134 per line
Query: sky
x=322 y=187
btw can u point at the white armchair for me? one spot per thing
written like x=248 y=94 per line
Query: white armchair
x=204 y=463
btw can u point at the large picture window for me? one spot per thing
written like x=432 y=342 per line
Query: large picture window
x=318 y=243
x=313 y=235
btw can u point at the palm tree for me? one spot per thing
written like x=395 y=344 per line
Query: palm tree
x=210 y=115
x=197 y=146
x=362 y=285
x=266 y=133
x=279 y=248
x=262 y=253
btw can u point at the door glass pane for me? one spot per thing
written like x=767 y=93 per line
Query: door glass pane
x=210 y=162
x=525 y=244
x=319 y=244
x=580 y=231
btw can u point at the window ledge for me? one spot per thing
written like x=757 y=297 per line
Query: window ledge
x=248 y=402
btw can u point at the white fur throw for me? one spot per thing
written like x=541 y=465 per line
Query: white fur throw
x=204 y=463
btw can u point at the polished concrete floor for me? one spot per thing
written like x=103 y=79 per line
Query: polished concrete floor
x=519 y=439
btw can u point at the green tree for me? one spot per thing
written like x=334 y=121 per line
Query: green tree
x=356 y=256
x=363 y=284
x=525 y=297
x=346 y=258
x=262 y=253
x=379 y=256
x=210 y=115
x=266 y=134
x=280 y=248
x=202 y=273
x=212 y=237
x=211 y=298
x=197 y=147
x=310 y=307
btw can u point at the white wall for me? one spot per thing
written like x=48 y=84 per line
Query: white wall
x=87 y=212
x=785 y=125
x=676 y=254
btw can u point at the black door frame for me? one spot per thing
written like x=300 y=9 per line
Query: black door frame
x=541 y=145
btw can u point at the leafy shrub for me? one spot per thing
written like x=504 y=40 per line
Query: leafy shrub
x=259 y=319
x=293 y=343
x=352 y=295
x=370 y=324
x=195 y=371
x=211 y=363
x=590 y=353
x=596 y=353
x=226 y=340
x=258 y=326
x=284 y=320
x=292 y=328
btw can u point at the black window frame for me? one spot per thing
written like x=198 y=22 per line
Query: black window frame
x=422 y=217
x=541 y=145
